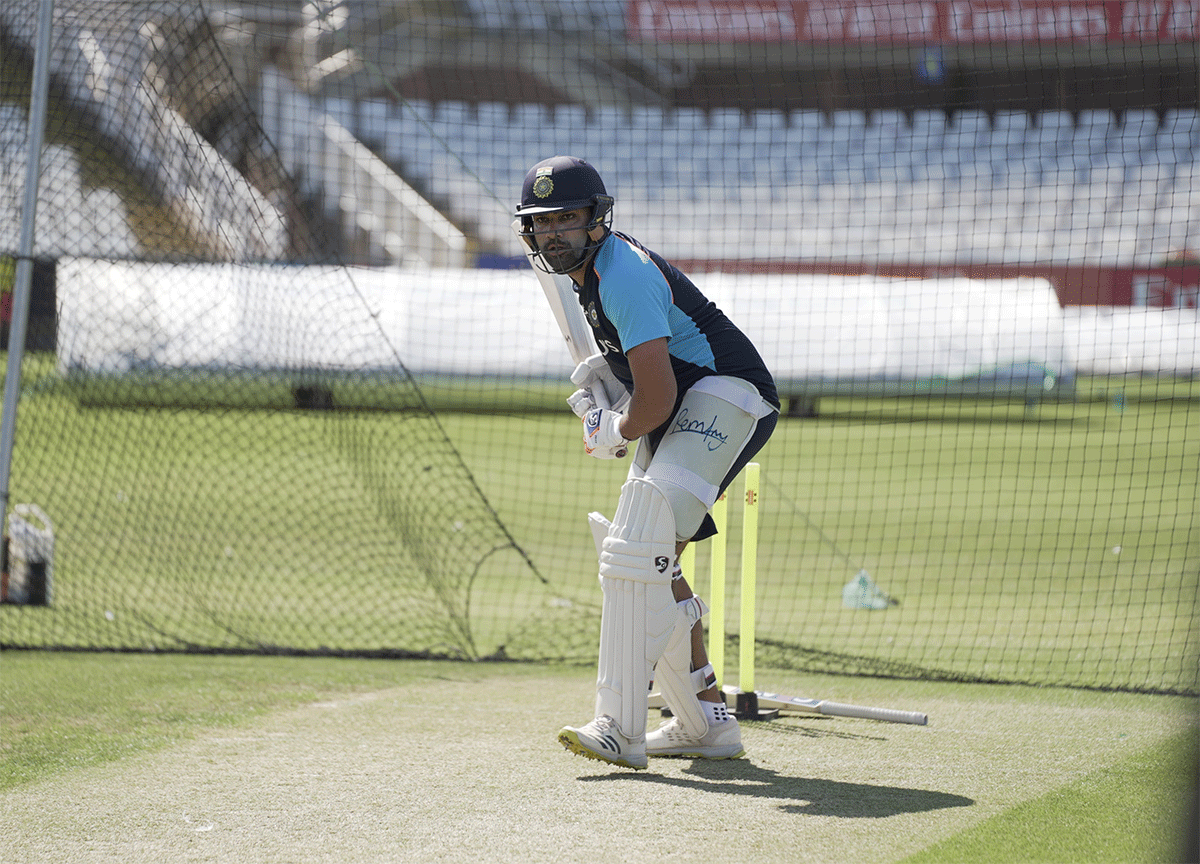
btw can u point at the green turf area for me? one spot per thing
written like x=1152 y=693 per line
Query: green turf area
x=146 y=742
x=1054 y=544
x=1131 y=811
x=66 y=711
x=996 y=526
x=63 y=712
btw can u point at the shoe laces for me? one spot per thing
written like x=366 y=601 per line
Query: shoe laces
x=604 y=723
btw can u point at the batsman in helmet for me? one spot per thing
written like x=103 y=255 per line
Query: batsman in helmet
x=678 y=378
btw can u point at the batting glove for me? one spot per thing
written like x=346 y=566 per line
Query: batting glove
x=602 y=434
x=581 y=402
x=594 y=375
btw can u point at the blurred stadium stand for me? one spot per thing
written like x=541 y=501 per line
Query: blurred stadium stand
x=1015 y=153
x=1012 y=189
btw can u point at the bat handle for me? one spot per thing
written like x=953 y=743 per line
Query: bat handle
x=600 y=395
x=888 y=715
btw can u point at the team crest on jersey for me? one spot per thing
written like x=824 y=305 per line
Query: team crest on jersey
x=592 y=315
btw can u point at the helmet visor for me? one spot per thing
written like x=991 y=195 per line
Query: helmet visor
x=556 y=207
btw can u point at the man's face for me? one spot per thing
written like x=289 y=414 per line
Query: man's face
x=562 y=237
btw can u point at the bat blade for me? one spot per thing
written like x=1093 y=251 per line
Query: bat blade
x=567 y=312
x=790 y=705
x=560 y=294
x=800 y=705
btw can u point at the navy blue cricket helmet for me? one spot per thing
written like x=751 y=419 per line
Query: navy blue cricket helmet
x=558 y=184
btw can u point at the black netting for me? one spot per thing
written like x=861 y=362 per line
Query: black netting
x=290 y=386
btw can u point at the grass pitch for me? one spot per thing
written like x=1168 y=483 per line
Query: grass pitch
x=251 y=759
x=995 y=524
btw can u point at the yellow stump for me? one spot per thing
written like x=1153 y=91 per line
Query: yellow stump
x=716 y=613
x=749 y=577
x=687 y=563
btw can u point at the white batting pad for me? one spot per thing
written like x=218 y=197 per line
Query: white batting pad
x=679 y=685
x=639 y=612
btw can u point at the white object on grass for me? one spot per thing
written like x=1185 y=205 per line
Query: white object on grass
x=861 y=592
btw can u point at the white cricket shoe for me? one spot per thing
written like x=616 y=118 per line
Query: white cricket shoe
x=601 y=739
x=722 y=741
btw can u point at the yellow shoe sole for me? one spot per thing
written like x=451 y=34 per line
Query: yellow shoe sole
x=569 y=738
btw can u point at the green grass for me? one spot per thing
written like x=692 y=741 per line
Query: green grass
x=993 y=523
x=1131 y=811
x=62 y=712
x=65 y=714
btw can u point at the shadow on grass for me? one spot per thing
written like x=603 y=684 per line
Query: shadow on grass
x=803 y=796
x=810 y=728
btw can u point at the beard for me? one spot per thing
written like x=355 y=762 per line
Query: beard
x=562 y=256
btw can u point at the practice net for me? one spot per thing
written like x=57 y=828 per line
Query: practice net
x=290 y=386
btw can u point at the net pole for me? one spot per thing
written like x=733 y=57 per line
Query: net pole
x=22 y=289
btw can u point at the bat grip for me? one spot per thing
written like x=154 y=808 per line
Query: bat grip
x=888 y=715
x=600 y=395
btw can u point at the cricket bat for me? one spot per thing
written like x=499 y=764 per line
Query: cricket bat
x=560 y=294
x=567 y=312
x=776 y=704
x=800 y=705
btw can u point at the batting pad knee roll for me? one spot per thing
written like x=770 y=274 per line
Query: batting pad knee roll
x=641 y=539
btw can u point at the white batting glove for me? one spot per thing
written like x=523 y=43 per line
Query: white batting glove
x=590 y=371
x=594 y=375
x=581 y=402
x=602 y=434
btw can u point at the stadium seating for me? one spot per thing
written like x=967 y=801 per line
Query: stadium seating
x=1008 y=188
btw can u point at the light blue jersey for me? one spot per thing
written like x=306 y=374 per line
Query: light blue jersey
x=631 y=295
